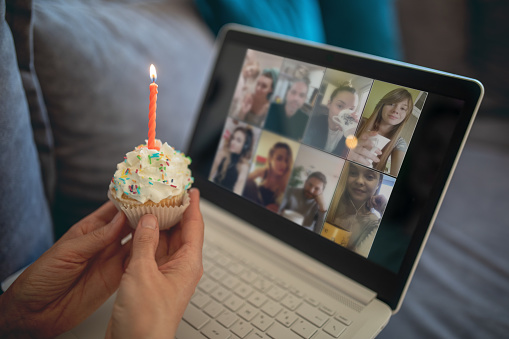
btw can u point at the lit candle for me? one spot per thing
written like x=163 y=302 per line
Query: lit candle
x=152 y=110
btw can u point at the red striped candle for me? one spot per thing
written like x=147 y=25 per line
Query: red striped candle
x=152 y=110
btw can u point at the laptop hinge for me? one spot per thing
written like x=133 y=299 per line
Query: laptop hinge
x=305 y=265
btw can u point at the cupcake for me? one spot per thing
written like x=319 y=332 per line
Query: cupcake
x=152 y=181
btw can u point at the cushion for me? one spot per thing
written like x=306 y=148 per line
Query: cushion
x=25 y=222
x=92 y=60
x=300 y=19
x=19 y=19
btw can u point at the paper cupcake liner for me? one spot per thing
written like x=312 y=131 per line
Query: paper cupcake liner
x=167 y=216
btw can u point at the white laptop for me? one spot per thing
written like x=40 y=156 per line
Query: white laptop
x=306 y=236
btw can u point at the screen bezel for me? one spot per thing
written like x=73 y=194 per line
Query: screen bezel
x=389 y=286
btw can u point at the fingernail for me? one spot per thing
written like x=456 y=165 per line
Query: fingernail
x=116 y=217
x=149 y=221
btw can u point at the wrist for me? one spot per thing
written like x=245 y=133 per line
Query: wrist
x=8 y=327
x=11 y=320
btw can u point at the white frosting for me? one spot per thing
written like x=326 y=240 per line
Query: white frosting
x=149 y=174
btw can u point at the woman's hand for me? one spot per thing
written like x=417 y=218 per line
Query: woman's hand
x=70 y=280
x=363 y=152
x=245 y=106
x=379 y=202
x=161 y=277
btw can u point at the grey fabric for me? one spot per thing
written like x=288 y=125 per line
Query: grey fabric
x=461 y=286
x=19 y=18
x=92 y=60
x=25 y=221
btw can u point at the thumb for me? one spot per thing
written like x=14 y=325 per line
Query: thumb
x=146 y=238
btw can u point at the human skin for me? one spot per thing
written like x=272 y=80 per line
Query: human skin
x=313 y=189
x=84 y=267
x=163 y=272
x=70 y=280
x=295 y=98
x=279 y=161
x=237 y=142
x=343 y=100
x=394 y=114
x=262 y=89
x=361 y=184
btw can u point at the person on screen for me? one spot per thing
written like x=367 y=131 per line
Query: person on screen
x=287 y=118
x=255 y=105
x=388 y=120
x=273 y=178
x=307 y=202
x=323 y=131
x=231 y=165
x=247 y=79
x=357 y=198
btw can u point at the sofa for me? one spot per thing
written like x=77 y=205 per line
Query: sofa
x=74 y=98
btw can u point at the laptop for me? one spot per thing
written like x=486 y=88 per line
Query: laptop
x=321 y=172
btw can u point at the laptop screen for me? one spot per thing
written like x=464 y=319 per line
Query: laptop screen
x=341 y=156
x=319 y=146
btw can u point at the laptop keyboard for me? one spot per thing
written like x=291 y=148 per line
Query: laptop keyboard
x=235 y=299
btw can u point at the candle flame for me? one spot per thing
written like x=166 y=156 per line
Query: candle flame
x=153 y=74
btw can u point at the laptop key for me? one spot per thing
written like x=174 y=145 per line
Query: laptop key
x=217 y=274
x=227 y=318
x=242 y=328
x=223 y=260
x=297 y=292
x=207 y=264
x=276 y=293
x=262 y=285
x=312 y=314
x=233 y=303
x=230 y=282
x=262 y=321
x=247 y=312
x=334 y=328
x=312 y=301
x=195 y=317
x=271 y=308
x=291 y=302
x=257 y=335
x=185 y=331
x=211 y=252
x=236 y=268
x=207 y=285
x=327 y=310
x=215 y=331
x=257 y=299
x=243 y=290
x=200 y=300
x=286 y=318
x=304 y=328
x=278 y=331
x=220 y=294
x=213 y=309
x=344 y=319
x=248 y=276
